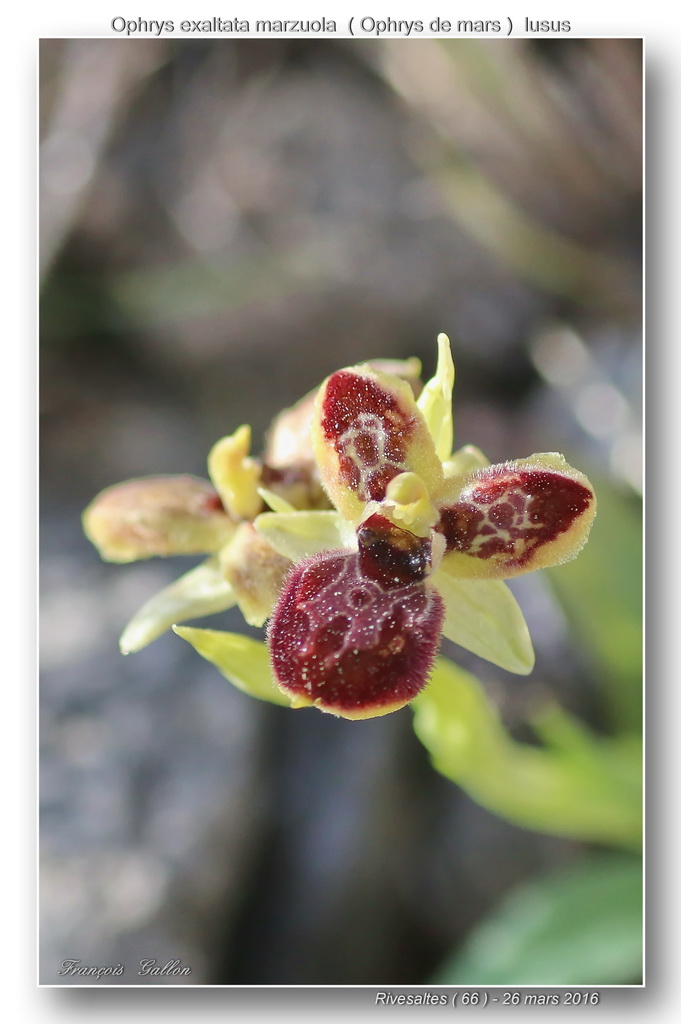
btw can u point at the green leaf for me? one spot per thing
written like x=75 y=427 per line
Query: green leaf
x=201 y=591
x=581 y=926
x=241 y=660
x=484 y=617
x=581 y=786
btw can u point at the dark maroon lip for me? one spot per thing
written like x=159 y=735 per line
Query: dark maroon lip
x=339 y=638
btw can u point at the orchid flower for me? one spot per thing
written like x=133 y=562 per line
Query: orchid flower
x=379 y=540
x=418 y=545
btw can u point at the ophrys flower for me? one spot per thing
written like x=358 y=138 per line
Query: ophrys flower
x=419 y=544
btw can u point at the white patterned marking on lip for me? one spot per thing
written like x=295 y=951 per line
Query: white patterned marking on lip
x=365 y=623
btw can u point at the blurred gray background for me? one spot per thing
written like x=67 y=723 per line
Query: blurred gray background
x=224 y=223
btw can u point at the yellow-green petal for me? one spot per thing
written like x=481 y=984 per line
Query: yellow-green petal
x=484 y=617
x=201 y=591
x=297 y=535
x=435 y=401
x=241 y=660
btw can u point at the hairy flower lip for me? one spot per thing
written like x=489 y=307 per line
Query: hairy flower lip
x=366 y=428
x=516 y=517
x=341 y=641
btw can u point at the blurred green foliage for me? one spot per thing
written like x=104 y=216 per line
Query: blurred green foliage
x=580 y=926
x=576 y=785
x=601 y=592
